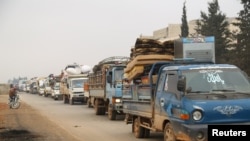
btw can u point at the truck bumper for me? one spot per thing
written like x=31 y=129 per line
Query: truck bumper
x=118 y=108
x=188 y=132
x=58 y=96
x=80 y=98
x=194 y=132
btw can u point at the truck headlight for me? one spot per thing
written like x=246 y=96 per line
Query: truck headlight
x=117 y=100
x=197 y=115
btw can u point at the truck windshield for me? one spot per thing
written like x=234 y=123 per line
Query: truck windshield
x=77 y=83
x=118 y=75
x=216 y=80
x=57 y=86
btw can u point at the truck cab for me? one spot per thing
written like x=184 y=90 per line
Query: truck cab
x=47 y=88
x=105 y=86
x=56 y=95
x=205 y=94
x=188 y=98
x=72 y=88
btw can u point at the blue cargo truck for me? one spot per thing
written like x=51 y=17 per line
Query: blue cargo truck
x=104 y=86
x=181 y=97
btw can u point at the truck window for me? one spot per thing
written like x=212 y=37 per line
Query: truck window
x=118 y=75
x=57 y=86
x=161 y=82
x=171 y=82
x=77 y=83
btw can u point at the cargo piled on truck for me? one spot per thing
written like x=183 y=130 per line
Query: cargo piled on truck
x=148 y=51
x=182 y=95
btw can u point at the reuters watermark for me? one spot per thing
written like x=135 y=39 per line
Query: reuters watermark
x=228 y=131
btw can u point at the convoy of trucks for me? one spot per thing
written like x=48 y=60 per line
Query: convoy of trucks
x=185 y=93
x=172 y=86
x=104 y=86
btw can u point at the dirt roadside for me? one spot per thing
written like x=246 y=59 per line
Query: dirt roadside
x=27 y=124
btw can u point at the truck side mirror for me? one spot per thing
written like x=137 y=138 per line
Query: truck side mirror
x=109 y=78
x=181 y=84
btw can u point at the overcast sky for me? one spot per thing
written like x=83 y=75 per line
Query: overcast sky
x=40 y=37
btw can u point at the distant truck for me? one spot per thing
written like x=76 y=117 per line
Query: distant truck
x=71 y=86
x=104 y=86
x=55 y=88
x=181 y=96
x=27 y=86
x=33 y=87
x=55 y=94
x=47 y=87
x=40 y=85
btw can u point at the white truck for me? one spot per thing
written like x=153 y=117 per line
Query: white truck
x=55 y=88
x=71 y=88
x=41 y=86
x=47 y=88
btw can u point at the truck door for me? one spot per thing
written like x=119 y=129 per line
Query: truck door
x=166 y=96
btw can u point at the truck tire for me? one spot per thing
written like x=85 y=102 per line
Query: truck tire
x=103 y=111
x=169 y=133
x=89 y=103
x=111 y=113
x=137 y=129
x=71 y=101
x=146 y=133
x=97 y=108
x=65 y=100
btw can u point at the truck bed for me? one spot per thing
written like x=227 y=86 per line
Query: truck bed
x=139 y=102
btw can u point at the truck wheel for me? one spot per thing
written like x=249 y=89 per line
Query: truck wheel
x=146 y=133
x=71 y=101
x=89 y=103
x=65 y=99
x=138 y=130
x=111 y=113
x=169 y=133
x=97 y=109
x=103 y=111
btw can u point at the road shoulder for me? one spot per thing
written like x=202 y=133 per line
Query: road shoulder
x=27 y=124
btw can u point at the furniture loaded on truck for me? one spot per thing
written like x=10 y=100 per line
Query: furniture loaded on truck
x=104 y=86
x=181 y=97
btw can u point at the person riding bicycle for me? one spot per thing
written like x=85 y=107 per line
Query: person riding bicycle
x=12 y=92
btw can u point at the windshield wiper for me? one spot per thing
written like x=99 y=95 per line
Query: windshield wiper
x=223 y=90
x=243 y=93
x=198 y=92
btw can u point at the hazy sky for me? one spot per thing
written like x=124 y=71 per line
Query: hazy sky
x=40 y=37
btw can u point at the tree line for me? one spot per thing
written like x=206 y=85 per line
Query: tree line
x=231 y=47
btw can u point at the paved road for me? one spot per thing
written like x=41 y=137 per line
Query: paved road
x=81 y=121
